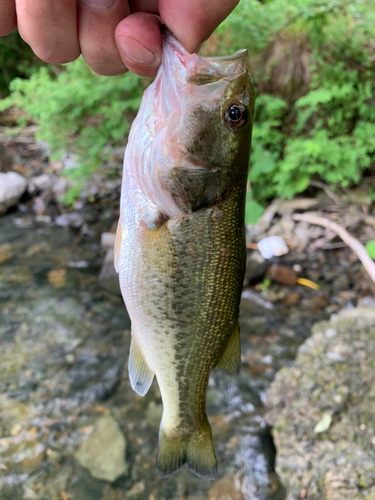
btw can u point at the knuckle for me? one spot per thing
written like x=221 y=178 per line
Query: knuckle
x=49 y=55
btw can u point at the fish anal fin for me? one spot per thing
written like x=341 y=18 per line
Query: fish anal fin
x=117 y=247
x=231 y=358
x=140 y=374
x=196 y=450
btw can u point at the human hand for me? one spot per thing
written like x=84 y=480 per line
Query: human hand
x=112 y=35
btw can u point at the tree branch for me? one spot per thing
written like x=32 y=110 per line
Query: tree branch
x=352 y=242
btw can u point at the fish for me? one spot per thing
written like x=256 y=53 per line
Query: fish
x=180 y=243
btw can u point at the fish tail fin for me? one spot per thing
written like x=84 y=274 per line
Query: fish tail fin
x=196 y=450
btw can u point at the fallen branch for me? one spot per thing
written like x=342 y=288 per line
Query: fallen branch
x=352 y=242
x=325 y=188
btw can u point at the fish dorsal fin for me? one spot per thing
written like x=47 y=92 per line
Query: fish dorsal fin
x=231 y=359
x=140 y=374
x=117 y=247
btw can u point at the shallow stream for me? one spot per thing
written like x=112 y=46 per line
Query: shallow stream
x=64 y=343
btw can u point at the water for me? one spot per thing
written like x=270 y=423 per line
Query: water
x=64 y=344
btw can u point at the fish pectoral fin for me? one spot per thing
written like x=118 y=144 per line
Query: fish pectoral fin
x=117 y=247
x=231 y=359
x=196 y=450
x=140 y=374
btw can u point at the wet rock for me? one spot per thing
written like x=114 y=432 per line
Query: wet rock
x=41 y=183
x=12 y=187
x=366 y=302
x=341 y=282
x=60 y=187
x=333 y=375
x=225 y=488
x=317 y=302
x=291 y=299
x=283 y=275
x=135 y=491
x=43 y=220
x=107 y=240
x=256 y=266
x=284 y=227
x=154 y=413
x=103 y=452
x=6 y=160
x=73 y=219
x=6 y=252
x=57 y=277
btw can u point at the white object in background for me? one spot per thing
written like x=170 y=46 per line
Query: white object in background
x=273 y=246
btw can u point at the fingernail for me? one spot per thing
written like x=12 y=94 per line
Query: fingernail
x=97 y=4
x=136 y=52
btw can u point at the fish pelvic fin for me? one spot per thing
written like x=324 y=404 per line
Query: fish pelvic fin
x=196 y=450
x=231 y=358
x=117 y=247
x=140 y=374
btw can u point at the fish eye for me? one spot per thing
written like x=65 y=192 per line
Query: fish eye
x=235 y=115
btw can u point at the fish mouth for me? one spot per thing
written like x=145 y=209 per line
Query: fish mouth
x=223 y=59
x=204 y=70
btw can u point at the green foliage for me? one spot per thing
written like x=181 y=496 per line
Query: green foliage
x=324 y=131
x=264 y=286
x=327 y=133
x=78 y=112
x=16 y=60
x=253 y=209
x=370 y=247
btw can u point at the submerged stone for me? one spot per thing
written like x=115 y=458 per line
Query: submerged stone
x=103 y=452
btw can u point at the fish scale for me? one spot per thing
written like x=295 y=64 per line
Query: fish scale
x=180 y=246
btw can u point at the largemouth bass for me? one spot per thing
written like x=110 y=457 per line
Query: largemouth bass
x=180 y=245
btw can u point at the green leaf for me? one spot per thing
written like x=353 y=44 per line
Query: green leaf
x=254 y=210
x=323 y=424
x=370 y=247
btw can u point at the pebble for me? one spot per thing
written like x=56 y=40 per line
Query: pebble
x=103 y=452
x=72 y=219
x=255 y=266
x=291 y=300
x=281 y=274
x=12 y=187
x=272 y=246
x=226 y=489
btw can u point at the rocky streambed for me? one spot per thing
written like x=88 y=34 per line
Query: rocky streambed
x=70 y=425
x=71 y=428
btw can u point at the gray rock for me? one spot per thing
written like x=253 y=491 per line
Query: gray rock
x=60 y=187
x=12 y=187
x=41 y=182
x=256 y=266
x=333 y=375
x=107 y=240
x=103 y=452
x=73 y=219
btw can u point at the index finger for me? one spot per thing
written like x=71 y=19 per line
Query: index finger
x=8 y=20
x=193 y=22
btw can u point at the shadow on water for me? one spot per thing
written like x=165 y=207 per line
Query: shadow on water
x=64 y=344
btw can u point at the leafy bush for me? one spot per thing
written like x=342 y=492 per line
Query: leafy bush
x=313 y=63
x=78 y=111
x=328 y=132
x=16 y=60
